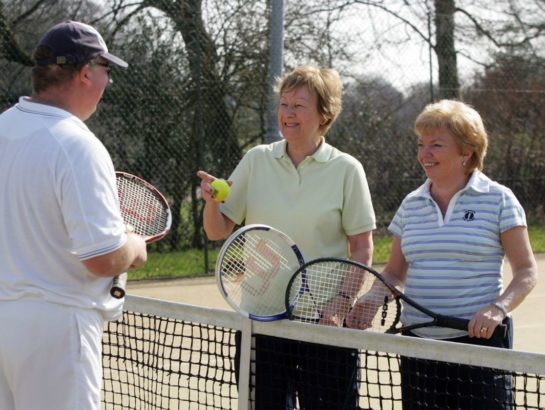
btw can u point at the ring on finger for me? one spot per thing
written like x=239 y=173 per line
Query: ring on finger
x=484 y=329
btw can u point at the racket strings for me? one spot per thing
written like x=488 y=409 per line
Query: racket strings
x=314 y=293
x=244 y=258
x=380 y=311
x=141 y=208
x=255 y=271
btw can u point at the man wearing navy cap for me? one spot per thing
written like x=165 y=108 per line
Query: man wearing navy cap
x=62 y=238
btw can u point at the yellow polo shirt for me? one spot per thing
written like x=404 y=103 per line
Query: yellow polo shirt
x=318 y=204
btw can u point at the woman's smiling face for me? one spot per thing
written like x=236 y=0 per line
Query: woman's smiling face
x=440 y=156
x=298 y=116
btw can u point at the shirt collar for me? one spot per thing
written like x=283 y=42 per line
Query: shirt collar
x=27 y=104
x=478 y=182
x=322 y=154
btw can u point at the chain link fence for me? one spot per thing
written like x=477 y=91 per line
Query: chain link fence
x=195 y=97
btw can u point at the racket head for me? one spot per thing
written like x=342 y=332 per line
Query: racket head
x=315 y=287
x=253 y=268
x=143 y=207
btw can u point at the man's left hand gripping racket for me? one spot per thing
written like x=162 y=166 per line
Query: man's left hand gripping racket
x=145 y=210
x=253 y=269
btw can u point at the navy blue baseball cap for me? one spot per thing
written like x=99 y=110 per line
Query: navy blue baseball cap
x=73 y=42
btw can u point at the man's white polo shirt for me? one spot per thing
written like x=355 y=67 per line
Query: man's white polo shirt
x=58 y=207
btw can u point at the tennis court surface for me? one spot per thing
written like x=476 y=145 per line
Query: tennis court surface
x=170 y=355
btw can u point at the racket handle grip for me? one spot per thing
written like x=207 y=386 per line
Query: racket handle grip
x=461 y=324
x=500 y=330
x=119 y=284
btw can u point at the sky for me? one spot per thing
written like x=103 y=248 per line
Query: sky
x=384 y=46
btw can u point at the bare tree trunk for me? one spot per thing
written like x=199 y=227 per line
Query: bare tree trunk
x=215 y=141
x=219 y=137
x=449 y=86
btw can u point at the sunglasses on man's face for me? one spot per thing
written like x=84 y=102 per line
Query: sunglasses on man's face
x=103 y=64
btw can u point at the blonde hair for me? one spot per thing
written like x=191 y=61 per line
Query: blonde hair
x=327 y=85
x=463 y=122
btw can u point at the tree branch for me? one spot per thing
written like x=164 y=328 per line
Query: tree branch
x=11 y=50
x=28 y=13
x=481 y=30
x=421 y=34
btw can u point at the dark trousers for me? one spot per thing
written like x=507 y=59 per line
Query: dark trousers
x=443 y=385
x=321 y=377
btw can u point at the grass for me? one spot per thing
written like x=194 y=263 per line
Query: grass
x=537 y=237
x=175 y=265
x=190 y=264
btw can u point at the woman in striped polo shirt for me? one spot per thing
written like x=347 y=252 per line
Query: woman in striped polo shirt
x=450 y=237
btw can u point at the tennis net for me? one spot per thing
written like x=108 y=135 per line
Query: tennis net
x=165 y=355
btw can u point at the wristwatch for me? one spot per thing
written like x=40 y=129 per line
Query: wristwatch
x=501 y=307
x=346 y=296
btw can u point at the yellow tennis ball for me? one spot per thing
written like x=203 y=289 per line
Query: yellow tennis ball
x=221 y=189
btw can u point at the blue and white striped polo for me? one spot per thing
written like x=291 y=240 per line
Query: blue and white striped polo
x=455 y=262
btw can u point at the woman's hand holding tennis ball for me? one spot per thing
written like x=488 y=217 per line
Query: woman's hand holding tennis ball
x=221 y=189
x=213 y=188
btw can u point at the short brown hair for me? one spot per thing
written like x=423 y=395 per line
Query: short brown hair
x=327 y=85
x=51 y=75
x=463 y=122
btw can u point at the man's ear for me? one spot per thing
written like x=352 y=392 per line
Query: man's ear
x=83 y=74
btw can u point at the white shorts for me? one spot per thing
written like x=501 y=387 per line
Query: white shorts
x=50 y=356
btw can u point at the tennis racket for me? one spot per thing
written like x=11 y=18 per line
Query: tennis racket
x=325 y=285
x=253 y=268
x=145 y=210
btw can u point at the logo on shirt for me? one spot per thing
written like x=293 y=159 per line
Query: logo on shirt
x=469 y=215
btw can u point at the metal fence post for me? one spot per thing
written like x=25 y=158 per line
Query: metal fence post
x=276 y=45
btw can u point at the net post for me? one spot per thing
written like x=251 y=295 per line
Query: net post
x=245 y=361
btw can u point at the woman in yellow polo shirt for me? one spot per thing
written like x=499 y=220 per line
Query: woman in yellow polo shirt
x=319 y=197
